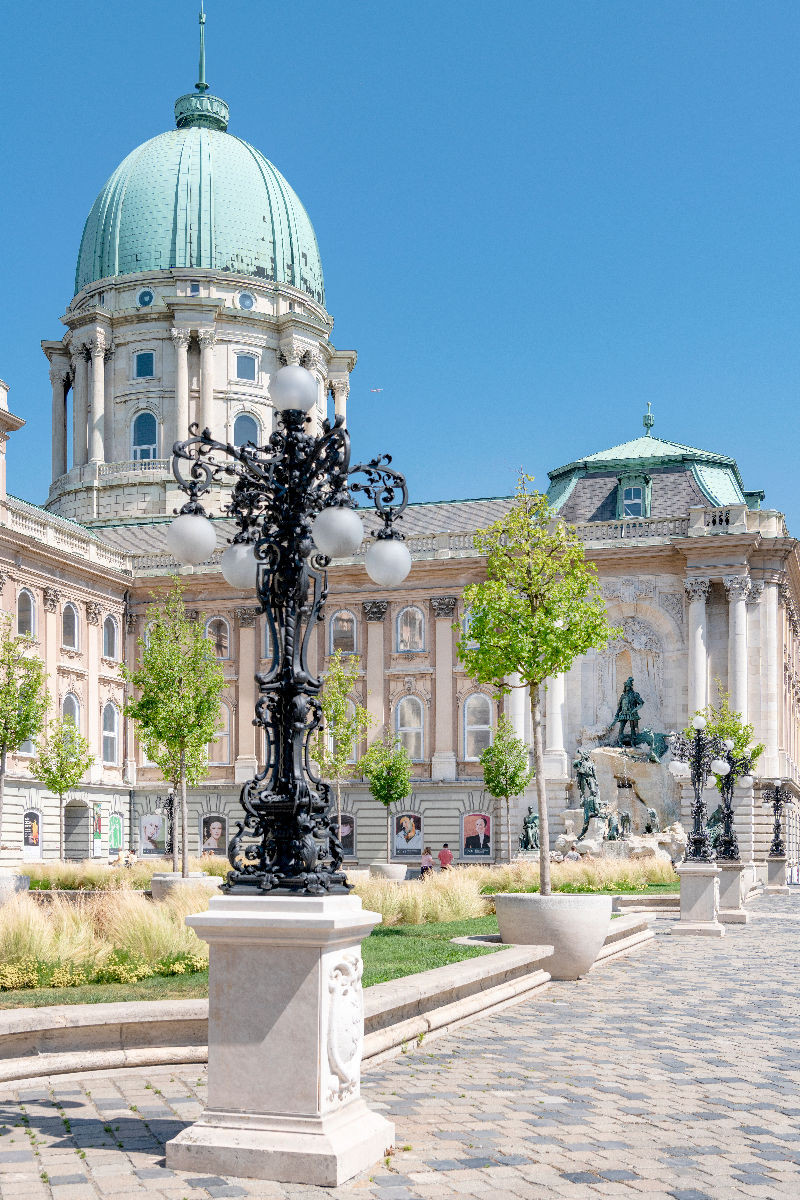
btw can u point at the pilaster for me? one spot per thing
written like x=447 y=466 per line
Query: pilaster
x=374 y=614
x=697 y=590
x=443 y=760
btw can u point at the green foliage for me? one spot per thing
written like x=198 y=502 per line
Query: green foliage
x=540 y=606
x=387 y=770
x=179 y=684
x=23 y=694
x=342 y=729
x=506 y=769
x=725 y=722
x=63 y=758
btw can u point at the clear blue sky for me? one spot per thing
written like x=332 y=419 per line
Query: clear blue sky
x=533 y=217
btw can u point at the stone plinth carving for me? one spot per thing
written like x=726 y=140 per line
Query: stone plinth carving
x=50 y=599
x=92 y=612
x=375 y=610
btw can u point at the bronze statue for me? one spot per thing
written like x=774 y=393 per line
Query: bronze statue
x=652 y=824
x=625 y=823
x=529 y=838
x=628 y=712
x=589 y=790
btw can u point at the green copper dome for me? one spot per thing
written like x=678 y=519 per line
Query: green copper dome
x=200 y=197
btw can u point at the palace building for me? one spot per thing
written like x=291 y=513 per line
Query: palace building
x=198 y=275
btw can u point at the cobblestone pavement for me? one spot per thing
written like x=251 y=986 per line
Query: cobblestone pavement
x=668 y=1075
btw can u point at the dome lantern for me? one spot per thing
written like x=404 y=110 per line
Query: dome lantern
x=201 y=110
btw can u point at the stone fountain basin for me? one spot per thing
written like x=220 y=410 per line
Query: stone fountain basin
x=575 y=926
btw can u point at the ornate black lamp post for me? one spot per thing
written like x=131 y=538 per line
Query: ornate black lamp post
x=778 y=796
x=727 y=843
x=291 y=502
x=703 y=755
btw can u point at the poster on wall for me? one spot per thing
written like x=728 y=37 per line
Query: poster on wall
x=97 y=830
x=152 y=834
x=114 y=833
x=214 y=834
x=347 y=833
x=408 y=835
x=476 y=835
x=31 y=835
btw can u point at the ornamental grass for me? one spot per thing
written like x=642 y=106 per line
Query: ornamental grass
x=121 y=937
x=92 y=875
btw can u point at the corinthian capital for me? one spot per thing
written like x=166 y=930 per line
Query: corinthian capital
x=207 y=338
x=340 y=388
x=58 y=373
x=292 y=352
x=180 y=337
x=696 y=588
x=98 y=343
x=737 y=587
x=443 y=606
x=375 y=610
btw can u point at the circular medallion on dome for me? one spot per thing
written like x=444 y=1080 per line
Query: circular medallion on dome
x=246 y=300
x=145 y=298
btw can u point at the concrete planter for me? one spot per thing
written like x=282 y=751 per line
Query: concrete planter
x=386 y=870
x=575 y=926
x=166 y=882
x=11 y=883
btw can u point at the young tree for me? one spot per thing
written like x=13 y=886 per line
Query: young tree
x=179 y=683
x=506 y=768
x=23 y=696
x=538 y=609
x=61 y=764
x=722 y=721
x=387 y=770
x=344 y=724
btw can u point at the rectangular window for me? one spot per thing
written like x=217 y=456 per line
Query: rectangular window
x=194 y=289
x=245 y=367
x=145 y=365
x=633 y=502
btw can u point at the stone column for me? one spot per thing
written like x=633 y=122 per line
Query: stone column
x=517 y=707
x=129 y=768
x=771 y=680
x=58 y=375
x=97 y=427
x=246 y=762
x=555 y=754
x=697 y=590
x=737 y=588
x=180 y=427
x=207 y=339
x=374 y=612
x=341 y=390
x=80 y=407
x=443 y=761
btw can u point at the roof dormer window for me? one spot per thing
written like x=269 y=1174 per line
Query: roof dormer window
x=633 y=497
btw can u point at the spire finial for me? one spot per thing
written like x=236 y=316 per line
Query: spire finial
x=201 y=84
x=648 y=421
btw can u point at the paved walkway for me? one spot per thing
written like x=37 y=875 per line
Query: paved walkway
x=668 y=1075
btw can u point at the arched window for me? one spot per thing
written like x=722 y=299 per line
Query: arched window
x=69 y=627
x=245 y=429
x=145 y=436
x=478 y=726
x=408 y=723
x=343 y=632
x=26 y=613
x=219 y=751
x=71 y=709
x=219 y=635
x=110 y=638
x=410 y=630
x=350 y=712
x=110 y=724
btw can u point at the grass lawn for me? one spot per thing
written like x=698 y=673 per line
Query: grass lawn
x=158 y=987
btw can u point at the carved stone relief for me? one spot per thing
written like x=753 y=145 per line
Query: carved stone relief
x=345 y=1027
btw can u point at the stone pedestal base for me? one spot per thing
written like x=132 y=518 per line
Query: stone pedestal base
x=699 y=899
x=731 y=911
x=285 y=1036
x=776 y=874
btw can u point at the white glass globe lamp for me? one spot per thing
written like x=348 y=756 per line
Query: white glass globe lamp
x=719 y=766
x=337 y=532
x=698 y=722
x=191 y=539
x=293 y=388
x=777 y=783
x=387 y=561
x=728 y=743
x=239 y=566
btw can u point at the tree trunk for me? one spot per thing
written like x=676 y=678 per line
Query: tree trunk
x=3 y=754
x=184 y=820
x=508 y=825
x=173 y=827
x=388 y=834
x=61 y=846
x=541 y=791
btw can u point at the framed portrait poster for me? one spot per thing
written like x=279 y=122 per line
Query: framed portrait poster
x=347 y=833
x=407 y=841
x=214 y=834
x=152 y=834
x=31 y=835
x=476 y=835
x=114 y=833
x=97 y=830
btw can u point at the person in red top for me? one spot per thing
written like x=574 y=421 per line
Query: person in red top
x=445 y=857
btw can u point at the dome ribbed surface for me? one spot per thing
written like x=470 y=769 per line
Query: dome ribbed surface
x=197 y=197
